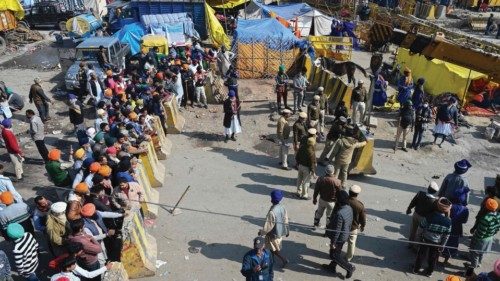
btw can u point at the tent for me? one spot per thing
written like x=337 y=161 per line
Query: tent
x=131 y=34
x=440 y=76
x=262 y=45
x=309 y=20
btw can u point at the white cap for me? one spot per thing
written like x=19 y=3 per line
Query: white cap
x=434 y=186
x=330 y=169
x=312 y=131
x=286 y=111
x=321 y=89
x=58 y=207
x=101 y=112
x=355 y=189
x=303 y=115
x=343 y=119
x=91 y=132
x=316 y=97
x=361 y=82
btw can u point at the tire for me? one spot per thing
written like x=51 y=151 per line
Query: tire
x=3 y=45
x=62 y=25
x=23 y=24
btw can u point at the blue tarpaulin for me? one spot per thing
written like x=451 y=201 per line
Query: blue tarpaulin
x=268 y=31
x=131 y=34
x=286 y=11
x=161 y=22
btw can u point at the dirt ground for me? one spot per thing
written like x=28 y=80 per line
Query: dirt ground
x=230 y=187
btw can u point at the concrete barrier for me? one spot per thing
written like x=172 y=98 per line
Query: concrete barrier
x=139 y=250
x=151 y=196
x=164 y=147
x=175 y=121
x=362 y=158
x=116 y=273
x=154 y=169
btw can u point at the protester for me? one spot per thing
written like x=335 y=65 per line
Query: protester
x=14 y=212
x=491 y=193
x=13 y=148
x=232 y=121
x=283 y=133
x=423 y=202
x=276 y=226
x=257 y=263
x=493 y=275
x=41 y=101
x=25 y=251
x=306 y=161
x=57 y=227
x=422 y=118
x=358 y=103
x=341 y=110
x=327 y=187
x=445 y=121
x=406 y=121
x=358 y=220
x=418 y=95
x=91 y=248
x=76 y=113
x=456 y=185
x=6 y=185
x=405 y=86
x=436 y=229
x=299 y=89
x=40 y=215
x=281 y=87
x=486 y=229
x=338 y=233
x=70 y=270
x=127 y=195
x=199 y=83
x=57 y=169
x=459 y=215
x=37 y=133
x=224 y=60
x=380 y=91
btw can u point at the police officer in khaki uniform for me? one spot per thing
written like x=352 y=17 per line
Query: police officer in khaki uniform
x=283 y=133
x=313 y=113
x=299 y=130
x=306 y=160
x=323 y=108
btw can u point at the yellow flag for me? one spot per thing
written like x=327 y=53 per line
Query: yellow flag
x=215 y=30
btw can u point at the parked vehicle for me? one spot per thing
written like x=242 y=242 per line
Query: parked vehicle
x=87 y=52
x=8 y=22
x=49 y=13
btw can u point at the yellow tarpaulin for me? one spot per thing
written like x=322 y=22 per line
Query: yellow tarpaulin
x=440 y=76
x=226 y=4
x=14 y=6
x=150 y=41
x=215 y=30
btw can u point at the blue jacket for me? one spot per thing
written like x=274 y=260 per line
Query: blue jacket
x=251 y=260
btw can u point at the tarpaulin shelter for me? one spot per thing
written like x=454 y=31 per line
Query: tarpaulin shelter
x=262 y=45
x=13 y=6
x=309 y=20
x=440 y=76
x=131 y=34
x=226 y=4
x=214 y=28
x=171 y=25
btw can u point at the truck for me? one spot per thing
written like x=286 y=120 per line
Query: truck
x=87 y=52
x=50 y=13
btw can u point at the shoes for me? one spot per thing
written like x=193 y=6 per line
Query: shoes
x=329 y=268
x=205 y=106
x=285 y=263
x=404 y=149
x=428 y=274
x=226 y=139
x=415 y=270
x=286 y=168
x=350 y=272
x=317 y=225
x=233 y=138
x=304 y=197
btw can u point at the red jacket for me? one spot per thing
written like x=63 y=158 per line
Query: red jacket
x=11 y=142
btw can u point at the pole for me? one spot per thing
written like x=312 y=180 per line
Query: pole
x=466 y=88
x=179 y=201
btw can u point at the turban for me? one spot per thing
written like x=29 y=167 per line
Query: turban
x=79 y=153
x=82 y=188
x=462 y=166
x=88 y=210
x=7 y=198
x=105 y=171
x=490 y=204
x=7 y=123
x=54 y=154
x=276 y=196
x=15 y=231
x=94 y=167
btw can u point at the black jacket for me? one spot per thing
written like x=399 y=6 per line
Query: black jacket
x=228 y=113
x=340 y=223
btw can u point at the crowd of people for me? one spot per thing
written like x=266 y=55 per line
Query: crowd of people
x=95 y=184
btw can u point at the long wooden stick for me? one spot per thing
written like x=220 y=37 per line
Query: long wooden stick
x=180 y=199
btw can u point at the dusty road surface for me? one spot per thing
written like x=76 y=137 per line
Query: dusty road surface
x=230 y=187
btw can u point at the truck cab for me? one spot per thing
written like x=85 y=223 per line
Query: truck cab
x=87 y=52
x=49 y=13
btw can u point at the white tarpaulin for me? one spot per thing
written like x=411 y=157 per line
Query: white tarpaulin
x=310 y=21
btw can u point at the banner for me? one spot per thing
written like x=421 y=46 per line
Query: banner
x=214 y=28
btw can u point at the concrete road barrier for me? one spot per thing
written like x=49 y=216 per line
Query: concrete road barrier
x=175 y=121
x=165 y=145
x=154 y=169
x=139 y=250
x=151 y=196
x=116 y=273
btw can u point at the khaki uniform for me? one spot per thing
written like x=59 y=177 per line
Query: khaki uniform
x=283 y=133
x=306 y=159
x=323 y=107
x=313 y=116
x=343 y=156
x=299 y=131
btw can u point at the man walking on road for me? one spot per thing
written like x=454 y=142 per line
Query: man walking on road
x=258 y=263
x=456 y=184
x=306 y=160
x=313 y=113
x=283 y=133
x=41 y=101
x=37 y=133
x=487 y=227
x=276 y=226
x=327 y=188
x=358 y=220
x=13 y=148
x=338 y=229
x=423 y=202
